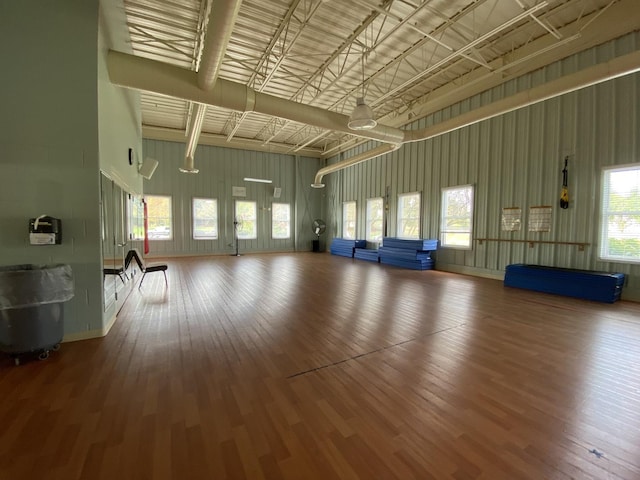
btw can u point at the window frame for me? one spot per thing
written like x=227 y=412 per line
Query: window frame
x=400 y=220
x=273 y=220
x=369 y=220
x=345 y=219
x=605 y=212
x=254 y=234
x=444 y=218
x=148 y=199
x=214 y=218
x=135 y=216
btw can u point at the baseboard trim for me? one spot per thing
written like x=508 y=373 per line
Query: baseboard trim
x=96 y=333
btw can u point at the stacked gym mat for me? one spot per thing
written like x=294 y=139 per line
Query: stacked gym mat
x=588 y=285
x=369 y=255
x=344 y=247
x=413 y=254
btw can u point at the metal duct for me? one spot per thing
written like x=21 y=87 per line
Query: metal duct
x=194 y=129
x=618 y=67
x=221 y=21
x=222 y=18
x=152 y=76
x=363 y=157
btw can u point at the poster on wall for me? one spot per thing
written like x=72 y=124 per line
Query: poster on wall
x=238 y=191
x=511 y=219
x=540 y=218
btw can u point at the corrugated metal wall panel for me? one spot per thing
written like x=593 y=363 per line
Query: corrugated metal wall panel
x=220 y=170
x=516 y=160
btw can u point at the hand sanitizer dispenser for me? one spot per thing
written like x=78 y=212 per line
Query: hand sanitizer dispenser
x=45 y=230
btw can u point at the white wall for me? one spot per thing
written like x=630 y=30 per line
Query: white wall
x=515 y=160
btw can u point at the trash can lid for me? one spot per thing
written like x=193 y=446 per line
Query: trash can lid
x=29 y=285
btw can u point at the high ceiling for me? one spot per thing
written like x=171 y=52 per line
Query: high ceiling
x=414 y=55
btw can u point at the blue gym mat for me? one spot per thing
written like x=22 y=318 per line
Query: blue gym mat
x=366 y=254
x=344 y=247
x=585 y=284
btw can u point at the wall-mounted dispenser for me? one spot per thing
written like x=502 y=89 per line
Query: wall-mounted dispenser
x=45 y=230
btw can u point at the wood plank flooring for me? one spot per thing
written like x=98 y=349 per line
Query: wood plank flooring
x=311 y=366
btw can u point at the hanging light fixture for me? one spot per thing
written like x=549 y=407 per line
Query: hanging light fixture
x=362 y=116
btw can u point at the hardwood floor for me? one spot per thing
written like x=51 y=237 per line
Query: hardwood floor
x=311 y=366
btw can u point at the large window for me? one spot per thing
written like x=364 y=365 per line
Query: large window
x=280 y=220
x=135 y=209
x=159 y=217
x=456 y=219
x=620 y=214
x=349 y=220
x=205 y=218
x=409 y=215
x=374 y=220
x=246 y=217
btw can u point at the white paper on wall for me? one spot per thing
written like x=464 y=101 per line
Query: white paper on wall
x=511 y=219
x=540 y=218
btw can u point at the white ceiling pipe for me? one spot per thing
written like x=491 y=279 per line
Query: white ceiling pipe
x=152 y=76
x=194 y=129
x=222 y=18
x=618 y=67
x=363 y=157
x=219 y=29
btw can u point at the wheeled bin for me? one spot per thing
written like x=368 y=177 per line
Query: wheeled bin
x=31 y=308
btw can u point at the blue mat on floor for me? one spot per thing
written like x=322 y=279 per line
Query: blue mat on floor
x=412 y=264
x=416 y=244
x=585 y=284
x=344 y=247
x=366 y=254
x=402 y=253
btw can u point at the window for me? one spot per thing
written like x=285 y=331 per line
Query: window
x=135 y=211
x=159 y=217
x=247 y=220
x=456 y=217
x=205 y=218
x=620 y=214
x=374 y=220
x=280 y=220
x=409 y=215
x=349 y=220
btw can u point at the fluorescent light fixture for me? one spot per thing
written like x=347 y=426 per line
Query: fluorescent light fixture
x=257 y=180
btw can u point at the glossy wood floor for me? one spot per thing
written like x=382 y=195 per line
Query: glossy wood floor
x=310 y=366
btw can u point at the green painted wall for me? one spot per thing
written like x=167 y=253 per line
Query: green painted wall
x=514 y=160
x=51 y=136
x=220 y=170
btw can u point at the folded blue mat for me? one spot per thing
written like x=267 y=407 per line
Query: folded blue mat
x=404 y=253
x=411 y=264
x=414 y=244
x=585 y=284
x=365 y=254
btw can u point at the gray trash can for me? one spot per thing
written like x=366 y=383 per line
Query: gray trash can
x=31 y=310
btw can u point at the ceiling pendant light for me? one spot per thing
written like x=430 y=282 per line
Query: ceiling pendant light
x=362 y=116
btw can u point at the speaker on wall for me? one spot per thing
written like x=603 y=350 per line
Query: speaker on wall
x=277 y=192
x=148 y=167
